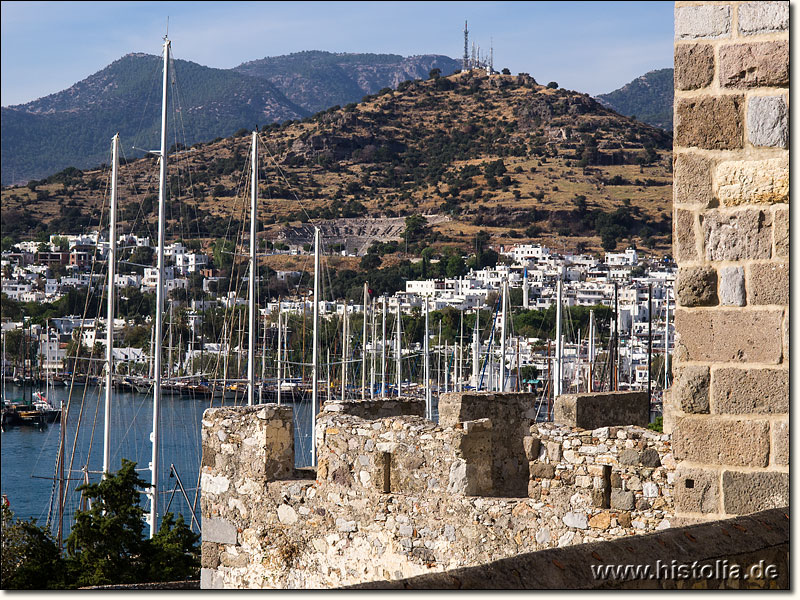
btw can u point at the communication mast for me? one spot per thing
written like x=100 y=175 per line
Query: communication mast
x=465 y=63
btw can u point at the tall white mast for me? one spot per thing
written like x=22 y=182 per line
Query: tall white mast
x=280 y=365
x=315 y=351
x=383 y=348
x=364 y=346
x=345 y=351
x=426 y=348
x=372 y=350
x=559 y=350
x=251 y=346
x=666 y=338
x=398 y=349
x=112 y=259
x=476 y=351
x=591 y=351
x=460 y=374
x=446 y=368
x=157 y=335
x=501 y=386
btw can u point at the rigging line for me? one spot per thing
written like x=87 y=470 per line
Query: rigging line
x=289 y=185
x=153 y=80
x=79 y=345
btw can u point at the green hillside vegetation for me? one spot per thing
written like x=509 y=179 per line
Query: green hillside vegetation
x=73 y=128
x=648 y=98
x=504 y=159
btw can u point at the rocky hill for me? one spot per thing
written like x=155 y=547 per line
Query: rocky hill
x=499 y=158
x=72 y=127
x=318 y=80
x=648 y=98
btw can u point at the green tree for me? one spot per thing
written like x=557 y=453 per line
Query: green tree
x=106 y=544
x=435 y=74
x=456 y=267
x=30 y=558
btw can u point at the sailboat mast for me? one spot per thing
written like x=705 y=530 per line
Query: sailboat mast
x=591 y=351
x=345 y=352
x=460 y=376
x=157 y=335
x=112 y=259
x=426 y=346
x=251 y=346
x=501 y=386
x=315 y=350
x=398 y=349
x=280 y=364
x=666 y=338
x=476 y=350
x=372 y=351
x=364 y=346
x=383 y=348
x=559 y=350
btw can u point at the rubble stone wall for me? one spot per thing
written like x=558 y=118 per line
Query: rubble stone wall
x=401 y=496
x=728 y=411
x=618 y=478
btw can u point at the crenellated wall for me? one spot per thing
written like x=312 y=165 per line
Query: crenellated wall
x=729 y=406
x=400 y=496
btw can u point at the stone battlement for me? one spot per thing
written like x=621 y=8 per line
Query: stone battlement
x=400 y=496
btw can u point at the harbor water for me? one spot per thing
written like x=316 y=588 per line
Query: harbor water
x=29 y=478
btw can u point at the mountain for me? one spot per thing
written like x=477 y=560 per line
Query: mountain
x=72 y=127
x=318 y=80
x=499 y=156
x=648 y=98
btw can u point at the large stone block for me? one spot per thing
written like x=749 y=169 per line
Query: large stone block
x=741 y=235
x=710 y=122
x=694 y=66
x=731 y=286
x=622 y=500
x=768 y=122
x=691 y=180
x=743 y=391
x=721 y=441
x=696 y=490
x=218 y=531
x=705 y=21
x=684 y=238
x=602 y=409
x=780 y=443
x=768 y=283
x=763 y=17
x=690 y=389
x=730 y=335
x=753 y=181
x=780 y=231
x=758 y=64
x=696 y=286
x=747 y=493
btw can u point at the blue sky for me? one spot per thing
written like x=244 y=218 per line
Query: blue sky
x=592 y=47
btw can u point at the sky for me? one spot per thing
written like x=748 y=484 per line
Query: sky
x=592 y=47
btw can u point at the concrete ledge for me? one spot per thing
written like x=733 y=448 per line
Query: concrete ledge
x=602 y=409
x=743 y=540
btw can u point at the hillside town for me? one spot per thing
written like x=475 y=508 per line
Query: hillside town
x=636 y=287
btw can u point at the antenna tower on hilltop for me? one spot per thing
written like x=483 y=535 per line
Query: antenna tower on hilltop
x=465 y=63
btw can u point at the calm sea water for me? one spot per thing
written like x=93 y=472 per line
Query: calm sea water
x=28 y=475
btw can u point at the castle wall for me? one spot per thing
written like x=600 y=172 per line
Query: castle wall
x=401 y=496
x=729 y=406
